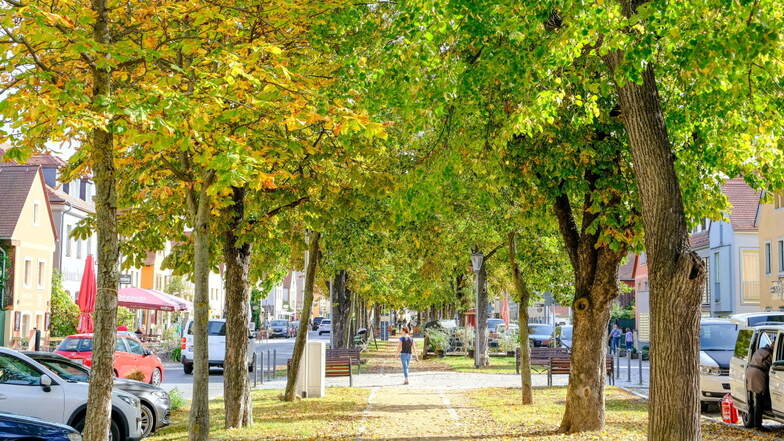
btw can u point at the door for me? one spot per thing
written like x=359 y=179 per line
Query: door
x=123 y=360
x=776 y=385
x=136 y=356
x=21 y=392
x=216 y=341
x=740 y=359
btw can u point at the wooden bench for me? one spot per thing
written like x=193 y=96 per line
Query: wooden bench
x=563 y=366
x=540 y=357
x=333 y=367
x=352 y=354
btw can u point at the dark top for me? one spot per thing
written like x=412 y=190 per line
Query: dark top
x=407 y=344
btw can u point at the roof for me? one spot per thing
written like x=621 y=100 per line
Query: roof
x=699 y=240
x=15 y=184
x=744 y=201
x=58 y=197
x=42 y=159
x=626 y=270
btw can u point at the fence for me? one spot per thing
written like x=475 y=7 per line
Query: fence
x=261 y=371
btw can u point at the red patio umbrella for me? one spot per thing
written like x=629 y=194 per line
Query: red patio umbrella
x=86 y=300
x=505 y=310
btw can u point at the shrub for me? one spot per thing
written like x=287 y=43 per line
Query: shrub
x=135 y=375
x=176 y=353
x=65 y=312
x=438 y=339
x=176 y=400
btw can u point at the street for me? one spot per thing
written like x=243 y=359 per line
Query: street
x=174 y=377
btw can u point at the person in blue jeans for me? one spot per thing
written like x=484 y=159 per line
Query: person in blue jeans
x=615 y=338
x=405 y=349
x=629 y=339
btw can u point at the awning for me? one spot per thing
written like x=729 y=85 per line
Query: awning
x=139 y=298
x=182 y=304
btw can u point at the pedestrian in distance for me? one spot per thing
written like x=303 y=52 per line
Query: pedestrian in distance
x=406 y=348
x=615 y=338
x=629 y=339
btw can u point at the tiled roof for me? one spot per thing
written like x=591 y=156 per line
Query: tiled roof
x=42 y=159
x=15 y=183
x=699 y=240
x=626 y=270
x=61 y=197
x=744 y=201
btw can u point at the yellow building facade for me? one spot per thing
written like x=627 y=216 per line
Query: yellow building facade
x=770 y=220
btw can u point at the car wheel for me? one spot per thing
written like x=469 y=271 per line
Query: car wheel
x=155 y=378
x=148 y=421
x=187 y=368
x=114 y=429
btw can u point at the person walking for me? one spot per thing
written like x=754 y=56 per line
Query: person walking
x=629 y=339
x=615 y=338
x=405 y=349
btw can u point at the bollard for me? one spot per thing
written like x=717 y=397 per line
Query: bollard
x=37 y=340
x=640 y=365
x=274 y=363
x=253 y=365
x=618 y=365
x=629 y=366
x=262 y=368
x=269 y=364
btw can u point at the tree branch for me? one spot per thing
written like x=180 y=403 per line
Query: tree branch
x=291 y=204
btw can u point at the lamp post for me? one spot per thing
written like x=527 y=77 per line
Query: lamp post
x=477 y=259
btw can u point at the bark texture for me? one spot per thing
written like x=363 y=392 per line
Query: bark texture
x=595 y=270
x=341 y=309
x=236 y=253
x=199 y=421
x=675 y=273
x=523 y=297
x=101 y=378
x=307 y=304
x=480 y=345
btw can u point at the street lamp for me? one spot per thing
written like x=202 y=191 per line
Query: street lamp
x=477 y=258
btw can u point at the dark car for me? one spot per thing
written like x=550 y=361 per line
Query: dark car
x=17 y=427
x=316 y=322
x=279 y=328
x=154 y=400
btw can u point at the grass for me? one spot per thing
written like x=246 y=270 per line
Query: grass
x=626 y=417
x=498 y=365
x=333 y=417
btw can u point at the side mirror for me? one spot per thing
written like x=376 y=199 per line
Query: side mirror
x=46 y=383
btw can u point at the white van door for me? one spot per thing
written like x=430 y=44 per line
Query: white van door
x=216 y=341
x=776 y=384
x=738 y=365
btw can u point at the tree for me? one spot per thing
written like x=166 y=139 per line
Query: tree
x=65 y=312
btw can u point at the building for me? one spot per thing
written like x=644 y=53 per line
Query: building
x=626 y=278
x=642 y=310
x=28 y=240
x=770 y=224
x=284 y=300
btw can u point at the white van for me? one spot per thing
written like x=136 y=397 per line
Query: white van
x=216 y=344
x=751 y=319
x=717 y=344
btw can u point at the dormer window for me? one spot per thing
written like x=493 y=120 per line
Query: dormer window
x=36 y=211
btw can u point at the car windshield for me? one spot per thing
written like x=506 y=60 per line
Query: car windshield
x=76 y=345
x=68 y=371
x=279 y=323
x=718 y=337
x=540 y=330
x=493 y=323
x=326 y=322
x=213 y=328
x=566 y=332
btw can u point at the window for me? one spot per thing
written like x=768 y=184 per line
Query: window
x=67 y=240
x=767 y=258
x=749 y=261
x=89 y=249
x=14 y=371
x=69 y=371
x=717 y=276
x=781 y=255
x=28 y=268
x=119 y=345
x=778 y=201
x=134 y=347
x=36 y=209
x=706 y=291
x=41 y=275
x=643 y=259
x=743 y=342
x=78 y=244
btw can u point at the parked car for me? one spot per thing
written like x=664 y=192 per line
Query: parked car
x=540 y=334
x=316 y=322
x=129 y=356
x=750 y=319
x=216 y=345
x=154 y=400
x=17 y=427
x=565 y=338
x=279 y=328
x=444 y=325
x=31 y=389
x=748 y=341
x=325 y=327
x=493 y=331
x=717 y=344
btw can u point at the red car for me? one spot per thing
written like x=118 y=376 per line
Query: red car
x=129 y=356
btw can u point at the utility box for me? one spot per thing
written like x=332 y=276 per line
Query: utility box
x=315 y=368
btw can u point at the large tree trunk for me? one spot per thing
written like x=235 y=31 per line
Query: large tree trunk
x=236 y=253
x=341 y=309
x=523 y=297
x=480 y=346
x=307 y=302
x=596 y=270
x=97 y=424
x=199 y=422
x=676 y=274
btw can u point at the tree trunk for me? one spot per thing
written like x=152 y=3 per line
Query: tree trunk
x=98 y=417
x=482 y=360
x=236 y=254
x=376 y=318
x=199 y=422
x=676 y=274
x=307 y=302
x=523 y=297
x=341 y=308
